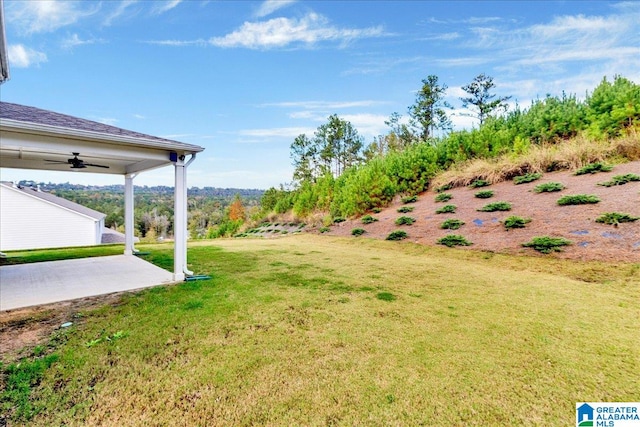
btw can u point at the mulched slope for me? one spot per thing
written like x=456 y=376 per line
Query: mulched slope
x=591 y=240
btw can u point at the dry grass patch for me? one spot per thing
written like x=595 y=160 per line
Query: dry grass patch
x=570 y=155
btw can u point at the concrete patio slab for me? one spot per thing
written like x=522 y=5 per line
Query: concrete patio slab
x=47 y=282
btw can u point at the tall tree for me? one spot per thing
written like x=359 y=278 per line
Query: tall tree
x=335 y=146
x=303 y=153
x=481 y=98
x=428 y=112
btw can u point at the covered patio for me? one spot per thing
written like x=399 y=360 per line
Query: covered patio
x=33 y=138
x=40 y=283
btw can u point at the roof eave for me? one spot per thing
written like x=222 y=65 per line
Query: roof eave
x=49 y=130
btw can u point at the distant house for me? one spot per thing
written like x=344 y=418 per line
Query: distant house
x=34 y=219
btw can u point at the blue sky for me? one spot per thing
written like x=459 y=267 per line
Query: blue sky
x=244 y=78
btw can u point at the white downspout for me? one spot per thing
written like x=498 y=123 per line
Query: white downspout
x=129 y=249
x=185 y=270
x=180 y=270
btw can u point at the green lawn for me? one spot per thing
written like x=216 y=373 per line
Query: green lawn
x=322 y=331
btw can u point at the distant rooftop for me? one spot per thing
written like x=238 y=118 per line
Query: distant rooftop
x=48 y=197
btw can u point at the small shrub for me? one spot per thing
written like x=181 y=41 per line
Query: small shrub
x=405 y=220
x=445 y=187
x=410 y=199
x=594 y=168
x=621 y=180
x=444 y=197
x=496 y=206
x=368 y=219
x=479 y=183
x=376 y=210
x=546 y=244
x=515 y=222
x=405 y=209
x=615 y=218
x=397 y=235
x=324 y=229
x=523 y=179
x=578 y=199
x=548 y=187
x=454 y=240
x=484 y=194
x=357 y=232
x=447 y=209
x=338 y=220
x=452 y=224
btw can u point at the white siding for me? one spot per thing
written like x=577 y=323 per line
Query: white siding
x=30 y=223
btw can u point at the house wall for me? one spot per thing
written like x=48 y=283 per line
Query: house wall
x=30 y=223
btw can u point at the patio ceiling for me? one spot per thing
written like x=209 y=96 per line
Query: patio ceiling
x=30 y=138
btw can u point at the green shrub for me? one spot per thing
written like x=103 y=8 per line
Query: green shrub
x=397 y=235
x=452 y=224
x=405 y=220
x=515 y=222
x=405 y=209
x=410 y=199
x=479 y=183
x=445 y=187
x=615 y=218
x=523 y=179
x=594 y=168
x=368 y=219
x=548 y=187
x=444 y=197
x=454 y=240
x=324 y=230
x=357 y=232
x=386 y=296
x=376 y=210
x=496 y=206
x=339 y=219
x=484 y=194
x=621 y=180
x=546 y=244
x=446 y=209
x=578 y=199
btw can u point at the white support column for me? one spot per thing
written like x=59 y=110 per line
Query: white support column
x=180 y=221
x=128 y=215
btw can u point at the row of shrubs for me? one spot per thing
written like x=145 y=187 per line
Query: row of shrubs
x=543 y=244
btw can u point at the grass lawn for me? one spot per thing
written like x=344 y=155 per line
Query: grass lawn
x=322 y=331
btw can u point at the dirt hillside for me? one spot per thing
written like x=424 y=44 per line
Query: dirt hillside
x=591 y=240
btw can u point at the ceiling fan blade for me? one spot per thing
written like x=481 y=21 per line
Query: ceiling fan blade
x=57 y=162
x=96 y=166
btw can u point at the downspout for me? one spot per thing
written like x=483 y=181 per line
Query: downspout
x=185 y=270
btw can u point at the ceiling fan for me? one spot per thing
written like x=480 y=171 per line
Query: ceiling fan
x=77 y=163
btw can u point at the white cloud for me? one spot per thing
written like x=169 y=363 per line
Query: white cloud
x=324 y=105
x=21 y=56
x=281 y=32
x=270 y=6
x=267 y=133
x=122 y=8
x=368 y=125
x=74 y=40
x=178 y=43
x=47 y=15
x=162 y=7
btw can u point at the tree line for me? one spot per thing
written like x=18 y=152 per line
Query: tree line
x=212 y=212
x=336 y=172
